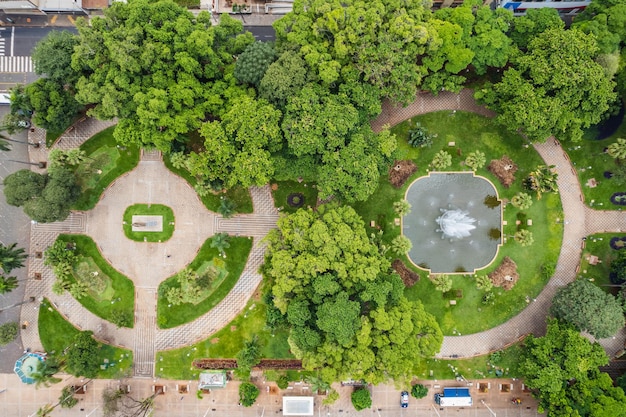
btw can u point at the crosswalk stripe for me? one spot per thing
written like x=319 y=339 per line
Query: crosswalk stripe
x=20 y=64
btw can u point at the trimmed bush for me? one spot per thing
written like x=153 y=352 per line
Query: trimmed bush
x=361 y=399
x=419 y=391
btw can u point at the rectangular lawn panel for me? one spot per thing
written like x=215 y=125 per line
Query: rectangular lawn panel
x=177 y=363
x=105 y=161
x=118 y=299
x=239 y=195
x=236 y=257
x=149 y=210
x=56 y=334
x=471 y=132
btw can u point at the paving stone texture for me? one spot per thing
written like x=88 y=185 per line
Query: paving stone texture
x=147 y=264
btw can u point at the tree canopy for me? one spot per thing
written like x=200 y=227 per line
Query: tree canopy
x=556 y=88
x=156 y=67
x=588 y=308
x=346 y=311
x=563 y=367
x=82 y=355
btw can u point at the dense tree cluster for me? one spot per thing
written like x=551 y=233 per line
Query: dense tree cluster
x=346 y=311
x=45 y=197
x=562 y=367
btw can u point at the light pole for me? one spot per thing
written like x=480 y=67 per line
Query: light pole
x=490 y=410
x=91 y=412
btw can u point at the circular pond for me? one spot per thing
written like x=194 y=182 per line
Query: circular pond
x=455 y=222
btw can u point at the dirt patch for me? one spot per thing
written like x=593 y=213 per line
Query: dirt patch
x=505 y=275
x=400 y=171
x=504 y=169
x=409 y=277
x=232 y=364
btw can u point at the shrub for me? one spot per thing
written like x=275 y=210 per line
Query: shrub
x=331 y=398
x=283 y=382
x=442 y=282
x=419 y=137
x=419 y=391
x=361 y=399
x=441 y=160
x=476 y=160
x=8 y=333
x=248 y=393
x=67 y=399
x=522 y=201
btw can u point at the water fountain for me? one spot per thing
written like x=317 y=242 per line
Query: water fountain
x=450 y=229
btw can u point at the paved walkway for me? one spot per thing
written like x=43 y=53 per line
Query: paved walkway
x=580 y=221
x=148 y=263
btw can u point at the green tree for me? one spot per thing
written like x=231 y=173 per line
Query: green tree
x=522 y=201
x=67 y=398
x=221 y=242
x=248 y=394
x=489 y=42
x=555 y=89
x=476 y=160
x=7 y=284
x=8 y=333
x=442 y=282
x=248 y=356
x=586 y=307
x=45 y=371
x=333 y=286
x=562 y=367
x=441 y=160
x=617 y=149
x=53 y=105
x=484 y=283
x=11 y=257
x=419 y=391
x=361 y=399
x=171 y=69
x=524 y=237
x=543 y=180
x=401 y=245
x=82 y=355
x=402 y=207
x=283 y=79
x=253 y=62
x=618 y=267
x=22 y=186
x=534 y=22
x=52 y=56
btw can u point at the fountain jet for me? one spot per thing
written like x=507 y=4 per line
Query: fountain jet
x=455 y=223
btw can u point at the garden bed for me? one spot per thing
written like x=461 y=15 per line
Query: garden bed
x=167 y=221
x=265 y=364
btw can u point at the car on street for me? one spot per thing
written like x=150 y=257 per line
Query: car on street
x=404 y=399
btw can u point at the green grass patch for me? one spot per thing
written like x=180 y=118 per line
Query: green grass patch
x=166 y=214
x=599 y=245
x=306 y=194
x=236 y=257
x=239 y=195
x=177 y=363
x=111 y=294
x=56 y=334
x=591 y=162
x=472 y=132
x=502 y=363
x=104 y=163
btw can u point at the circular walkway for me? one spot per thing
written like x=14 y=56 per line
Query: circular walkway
x=152 y=182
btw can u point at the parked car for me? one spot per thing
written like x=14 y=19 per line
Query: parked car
x=404 y=399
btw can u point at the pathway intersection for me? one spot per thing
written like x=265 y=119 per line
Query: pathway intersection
x=147 y=264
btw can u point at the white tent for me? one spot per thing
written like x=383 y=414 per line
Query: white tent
x=297 y=406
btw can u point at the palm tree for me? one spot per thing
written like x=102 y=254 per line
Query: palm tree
x=11 y=257
x=4 y=139
x=522 y=201
x=7 y=284
x=401 y=245
x=44 y=374
x=45 y=410
x=543 y=180
x=402 y=207
x=476 y=160
x=221 y=241
x=441 y=160
x=617 y=149
x=4 y=145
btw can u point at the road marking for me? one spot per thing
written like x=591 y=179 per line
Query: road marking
x=71 y=19
x=12 y=39
x=54 y=19
x=16 y=64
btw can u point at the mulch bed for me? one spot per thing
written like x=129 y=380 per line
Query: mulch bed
x=232 y=364
x=504 y=169
x=505 y=275
x=408 y=276
x=400 y=171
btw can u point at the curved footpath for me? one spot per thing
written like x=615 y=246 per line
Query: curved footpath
x=152 y=182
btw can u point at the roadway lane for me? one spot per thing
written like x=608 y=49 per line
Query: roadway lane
x=25 y=38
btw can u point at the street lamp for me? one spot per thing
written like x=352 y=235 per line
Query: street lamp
x=490 y=410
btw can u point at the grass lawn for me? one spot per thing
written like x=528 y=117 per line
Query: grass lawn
x=239 y=195
x=236 y=256
x=149 y=210
x=177 y=363
x=285 y=188
x=104 y=163
x=592 y=162
x=599 y=245
x=118 y=298
x=56 y=334
x=479 y=367
x=472 y=132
